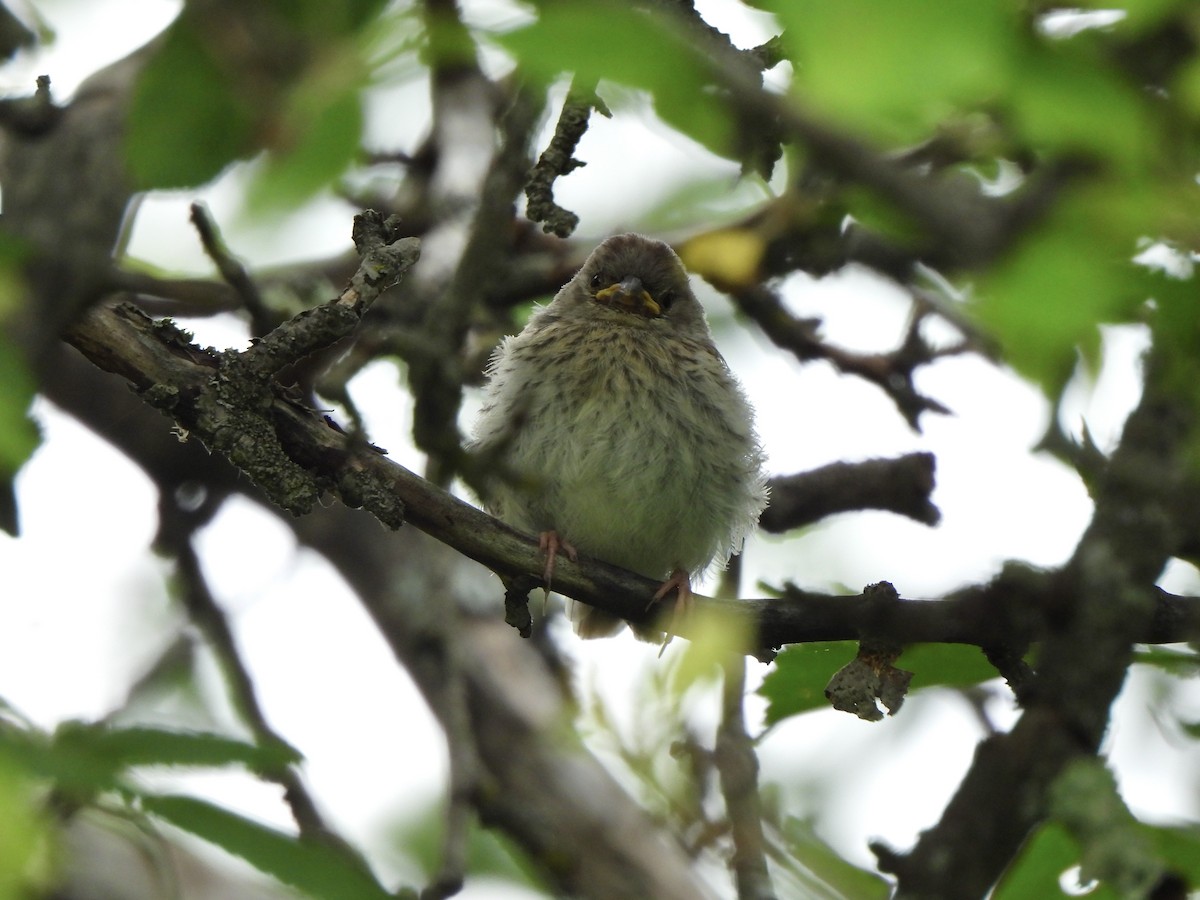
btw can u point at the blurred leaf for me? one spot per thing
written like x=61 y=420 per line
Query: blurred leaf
x=1176 y=330
x=829 y=876
x=635 y=47
x=1065 y=98
x=124 y=747
x=1184 y=663
x=946 y=665
x=323 y=20
x=1040 y=865
x=728 y=258
x=19 y=435
x=279 y=75
x=188 y=119
x=1051 y=852
x=1179 y=847
x=1142 y=14
x=318 y=137
x=1114 y=848
x=1187 y=87
x=1071 y=274
x=24 y=835
x=715 y=638
x=710 y=199
x=894 y=70
x=797 y=681
x=88 y=758
x=897 y=70
x=489 y=853
x=315 y=869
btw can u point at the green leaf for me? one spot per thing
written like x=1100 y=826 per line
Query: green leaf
x=316 y=869
x=600 y=40
x=24 y=834
x=321 y=133
x=825 y=874
x=87 y=758
x=1038 y=868
x=1072 y=273
x=1114 y=847
x=797 y=681
x=210 y=96
x=19 y=435
x=1141 y=15
x=1036 y=872
x=188 y=120
x=1179 y=847
x=489 y=853
x=124 y=747
x=893 y=70
x=946 y=665
x=1065 y=98
x=1184 y=663
x=630 y=46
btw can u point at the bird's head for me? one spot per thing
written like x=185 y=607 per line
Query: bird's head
x=636 y=276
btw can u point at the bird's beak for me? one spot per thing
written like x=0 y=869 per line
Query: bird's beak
x=630 y=296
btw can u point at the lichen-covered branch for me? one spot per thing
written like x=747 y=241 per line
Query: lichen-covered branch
x=558 y=159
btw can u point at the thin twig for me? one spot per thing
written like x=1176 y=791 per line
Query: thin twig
x=465 y=769
x=262 y=318
x=737 y=767
x=891 y=372
x=176 y=537
x=558 y=160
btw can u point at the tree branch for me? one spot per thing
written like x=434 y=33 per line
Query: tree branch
x=175 y=537
x=232 y=270
x=558 y=159
x=902 y=485
x=167 y=372
x=1095 y=608
x=737 y=764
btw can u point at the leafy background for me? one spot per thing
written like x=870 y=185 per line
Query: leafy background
x=1065 y=309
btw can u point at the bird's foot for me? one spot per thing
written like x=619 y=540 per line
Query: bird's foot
x=551 y=544
x=681 y=582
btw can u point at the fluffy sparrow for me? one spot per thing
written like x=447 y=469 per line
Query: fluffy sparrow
x=630 y=439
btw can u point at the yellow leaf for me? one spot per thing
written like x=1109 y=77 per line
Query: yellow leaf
x=728 y=259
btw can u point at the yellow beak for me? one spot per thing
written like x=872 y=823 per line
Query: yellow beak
x=630 y=296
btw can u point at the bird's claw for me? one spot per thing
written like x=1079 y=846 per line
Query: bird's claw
x=679 y=581
x=550 y=544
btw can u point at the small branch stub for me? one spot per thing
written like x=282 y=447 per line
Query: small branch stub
x=385 y=256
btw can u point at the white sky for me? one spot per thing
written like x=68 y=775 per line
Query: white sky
x=71 y=636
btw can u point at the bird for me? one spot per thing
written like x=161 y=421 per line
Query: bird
x=622 y=430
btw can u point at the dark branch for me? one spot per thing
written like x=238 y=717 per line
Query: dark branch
x=1095 y=609
x=175 y=537
x=902 y=485
x=558 y=159
x=232 y=270
x=892 y=372
x=1008 y=610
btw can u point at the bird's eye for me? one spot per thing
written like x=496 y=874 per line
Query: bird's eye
x=666 y=298
x=597 y=280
